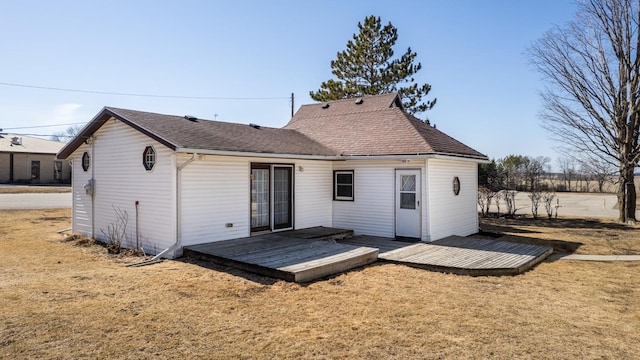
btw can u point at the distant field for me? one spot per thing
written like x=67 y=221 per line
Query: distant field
x=68 y=300
x=25 y=189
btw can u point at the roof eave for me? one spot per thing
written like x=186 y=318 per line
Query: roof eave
x=96 y=123
x=256 y=154
x=442 y=156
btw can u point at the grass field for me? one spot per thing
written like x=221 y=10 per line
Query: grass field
x=69 y=300
x=23 y=189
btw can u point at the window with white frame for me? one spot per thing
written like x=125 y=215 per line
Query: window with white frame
x=343 y=185
x=149 y=157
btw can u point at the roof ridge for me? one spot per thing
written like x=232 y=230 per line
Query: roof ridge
x=115 y=110
x=348 y=113
x=354 y=97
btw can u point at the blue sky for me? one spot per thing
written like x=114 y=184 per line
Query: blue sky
x=472 y=53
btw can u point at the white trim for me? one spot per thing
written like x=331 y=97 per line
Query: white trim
x=256 y=154
x=335 y=185
x=441 y=156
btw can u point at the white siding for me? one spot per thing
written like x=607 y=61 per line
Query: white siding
x=373 y=210
x=215 y=191
x=81 y=205
x=451 y=214
x=313 y=193
x=121 y=180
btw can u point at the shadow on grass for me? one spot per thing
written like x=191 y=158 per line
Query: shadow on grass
x=509 y=230
x=258 y=279
x=559 y=246
x=266 y=280
x=566 y=223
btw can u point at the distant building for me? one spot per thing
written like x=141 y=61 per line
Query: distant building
x=30 y=160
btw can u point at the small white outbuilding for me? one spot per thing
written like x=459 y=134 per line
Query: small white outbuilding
x=360 y=164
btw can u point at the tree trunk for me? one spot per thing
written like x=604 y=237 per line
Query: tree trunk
x=626 y=195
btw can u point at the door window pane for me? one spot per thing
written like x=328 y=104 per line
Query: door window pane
x=259 y=198
x=407 y=200
x=281 y=197
x=408 y=183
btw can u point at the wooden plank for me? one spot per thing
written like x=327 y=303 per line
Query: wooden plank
x=287 y=256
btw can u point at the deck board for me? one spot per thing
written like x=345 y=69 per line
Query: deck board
x=461 y=255
x=299 y=256
x=287 y=256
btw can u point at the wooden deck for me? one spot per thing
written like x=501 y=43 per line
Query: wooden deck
x=300 y=255
x=459 y=255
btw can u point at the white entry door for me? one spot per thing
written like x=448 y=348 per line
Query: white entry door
x=408 y=198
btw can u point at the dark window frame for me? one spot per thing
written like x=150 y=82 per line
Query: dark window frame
x=86 y=161
x=456 y=186
x=336 y=185
x=149 y=161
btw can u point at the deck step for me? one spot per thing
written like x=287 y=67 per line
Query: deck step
x=299 y=255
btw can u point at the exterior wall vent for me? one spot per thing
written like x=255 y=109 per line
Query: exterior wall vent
x=255 y=126
x=191 y=118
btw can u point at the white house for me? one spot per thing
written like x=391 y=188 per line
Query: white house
x=361 y=164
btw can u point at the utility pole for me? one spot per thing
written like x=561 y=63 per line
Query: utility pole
x=292 y=104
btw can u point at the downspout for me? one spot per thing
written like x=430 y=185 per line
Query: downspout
x=178 y=205
x=93 y=190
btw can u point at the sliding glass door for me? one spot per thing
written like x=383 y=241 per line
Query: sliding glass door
x=271 y=197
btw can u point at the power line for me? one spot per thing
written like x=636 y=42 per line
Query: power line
x=141 y=95
x=43 y=126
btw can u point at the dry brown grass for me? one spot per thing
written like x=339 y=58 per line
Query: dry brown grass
x=26 y=189
x=568 y=235
x=65 y=301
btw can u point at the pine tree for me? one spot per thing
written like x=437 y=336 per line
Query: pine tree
x=367 y=67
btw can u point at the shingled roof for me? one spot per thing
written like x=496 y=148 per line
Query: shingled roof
x=179 y=133
x=370 y=126
x=12 y=143
x=374 y=126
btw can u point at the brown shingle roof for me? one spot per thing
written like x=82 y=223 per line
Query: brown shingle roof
x=178 y=132
x=376 y=126
x=373 y=126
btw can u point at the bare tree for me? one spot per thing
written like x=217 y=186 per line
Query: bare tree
x=587 y=175
x=535 y=197
x=63 y=136
x=533 y=170
x=485 y=196
x=567 y=166
x=601 y=172
x=547 y=198
x=592 y=102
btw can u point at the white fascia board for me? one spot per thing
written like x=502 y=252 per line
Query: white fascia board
x=416 y=156
x=256 y=154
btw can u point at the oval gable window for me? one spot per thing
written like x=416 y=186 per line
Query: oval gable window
x=456 y=185
x=149 y=157
x=86 y=161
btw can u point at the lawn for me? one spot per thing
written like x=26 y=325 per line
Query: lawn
x=71 y=300
x=23 y=189
x=567 y=235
